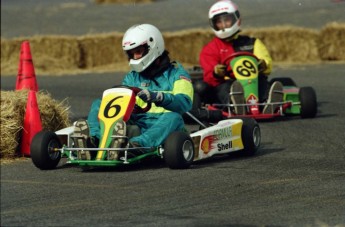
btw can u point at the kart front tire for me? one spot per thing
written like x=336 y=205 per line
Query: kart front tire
x=251 y=136
x=178 y=150
x=41 y=150
x=307 y=97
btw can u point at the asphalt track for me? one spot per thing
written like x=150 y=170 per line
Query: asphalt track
x=296 y=179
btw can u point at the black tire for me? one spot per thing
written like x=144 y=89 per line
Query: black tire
x=41 y=151
x=307 y=97
x=251 y=136
x=178 y=150
x=286 y=81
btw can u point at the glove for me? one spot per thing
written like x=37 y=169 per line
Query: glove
x=151 y=96
x=220 y=70
x=262 y=66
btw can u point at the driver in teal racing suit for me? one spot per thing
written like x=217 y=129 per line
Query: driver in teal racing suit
x=165 y=84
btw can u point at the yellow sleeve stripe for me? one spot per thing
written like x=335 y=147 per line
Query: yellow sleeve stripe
x=183 y=86
x=261 y=52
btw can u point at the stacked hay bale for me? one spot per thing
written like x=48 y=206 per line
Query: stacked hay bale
x=103 y=52
x=56 y=53
x=332 y=42
x=185 y=46
x=289 y=44
x=54 y=116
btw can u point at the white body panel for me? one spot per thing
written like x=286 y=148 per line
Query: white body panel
x=218 y=139
x=66 y=133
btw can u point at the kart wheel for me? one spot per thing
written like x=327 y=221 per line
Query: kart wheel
x=178 y=150
x=307 y=97
x=286 y=81
x=251 y=136
x=42 y=154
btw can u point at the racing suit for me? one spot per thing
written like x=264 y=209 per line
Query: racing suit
x=216 y=52
x=163 y=118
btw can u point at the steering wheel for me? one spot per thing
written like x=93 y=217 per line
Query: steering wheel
x=237 y=54
x=137 y=109
x=234 y=55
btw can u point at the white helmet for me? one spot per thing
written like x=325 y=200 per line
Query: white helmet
x=143 y=35
x=224 y=10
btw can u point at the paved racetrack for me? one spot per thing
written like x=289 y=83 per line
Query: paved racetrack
x=296 y=179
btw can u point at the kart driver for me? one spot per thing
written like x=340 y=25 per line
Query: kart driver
x=225 y=22
x=164 y=83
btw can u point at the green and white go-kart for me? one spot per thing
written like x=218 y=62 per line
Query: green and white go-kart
x=179 y=151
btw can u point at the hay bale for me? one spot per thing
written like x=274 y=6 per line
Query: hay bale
x=11 y=121
x=101 y=50
x=185 y=46
x=97 y=53
x=287 y=43
x=51 y=54
x=54 y=116
x=332 y=42
x=10 y=50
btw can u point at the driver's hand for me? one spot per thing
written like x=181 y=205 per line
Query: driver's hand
x=220 y=71
x=151 y=96
x=262 y=66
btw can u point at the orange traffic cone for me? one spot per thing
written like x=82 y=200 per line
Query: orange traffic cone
x=26 y=78
x=32 y=123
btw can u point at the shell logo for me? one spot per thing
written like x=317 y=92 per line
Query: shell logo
x=207 y=144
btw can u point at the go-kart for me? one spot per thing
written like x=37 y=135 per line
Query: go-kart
x=244 y=66
x=179 y=150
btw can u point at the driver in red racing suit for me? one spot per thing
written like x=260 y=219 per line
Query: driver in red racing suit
x=217 y=82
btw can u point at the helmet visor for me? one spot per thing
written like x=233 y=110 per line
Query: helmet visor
x=138 y=52
x=223 y=21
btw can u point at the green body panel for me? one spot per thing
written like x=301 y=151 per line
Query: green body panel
x=245 y=69
x=250 y=87
x=291 y=94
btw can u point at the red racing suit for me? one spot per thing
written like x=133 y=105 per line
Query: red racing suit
x=217 y=50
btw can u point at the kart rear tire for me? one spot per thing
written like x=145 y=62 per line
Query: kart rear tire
x=41 y=150
x=178 y=150
x=251 y=136
x=286 y=81
x=307 y=97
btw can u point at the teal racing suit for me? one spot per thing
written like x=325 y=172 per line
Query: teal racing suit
x=163 y=118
